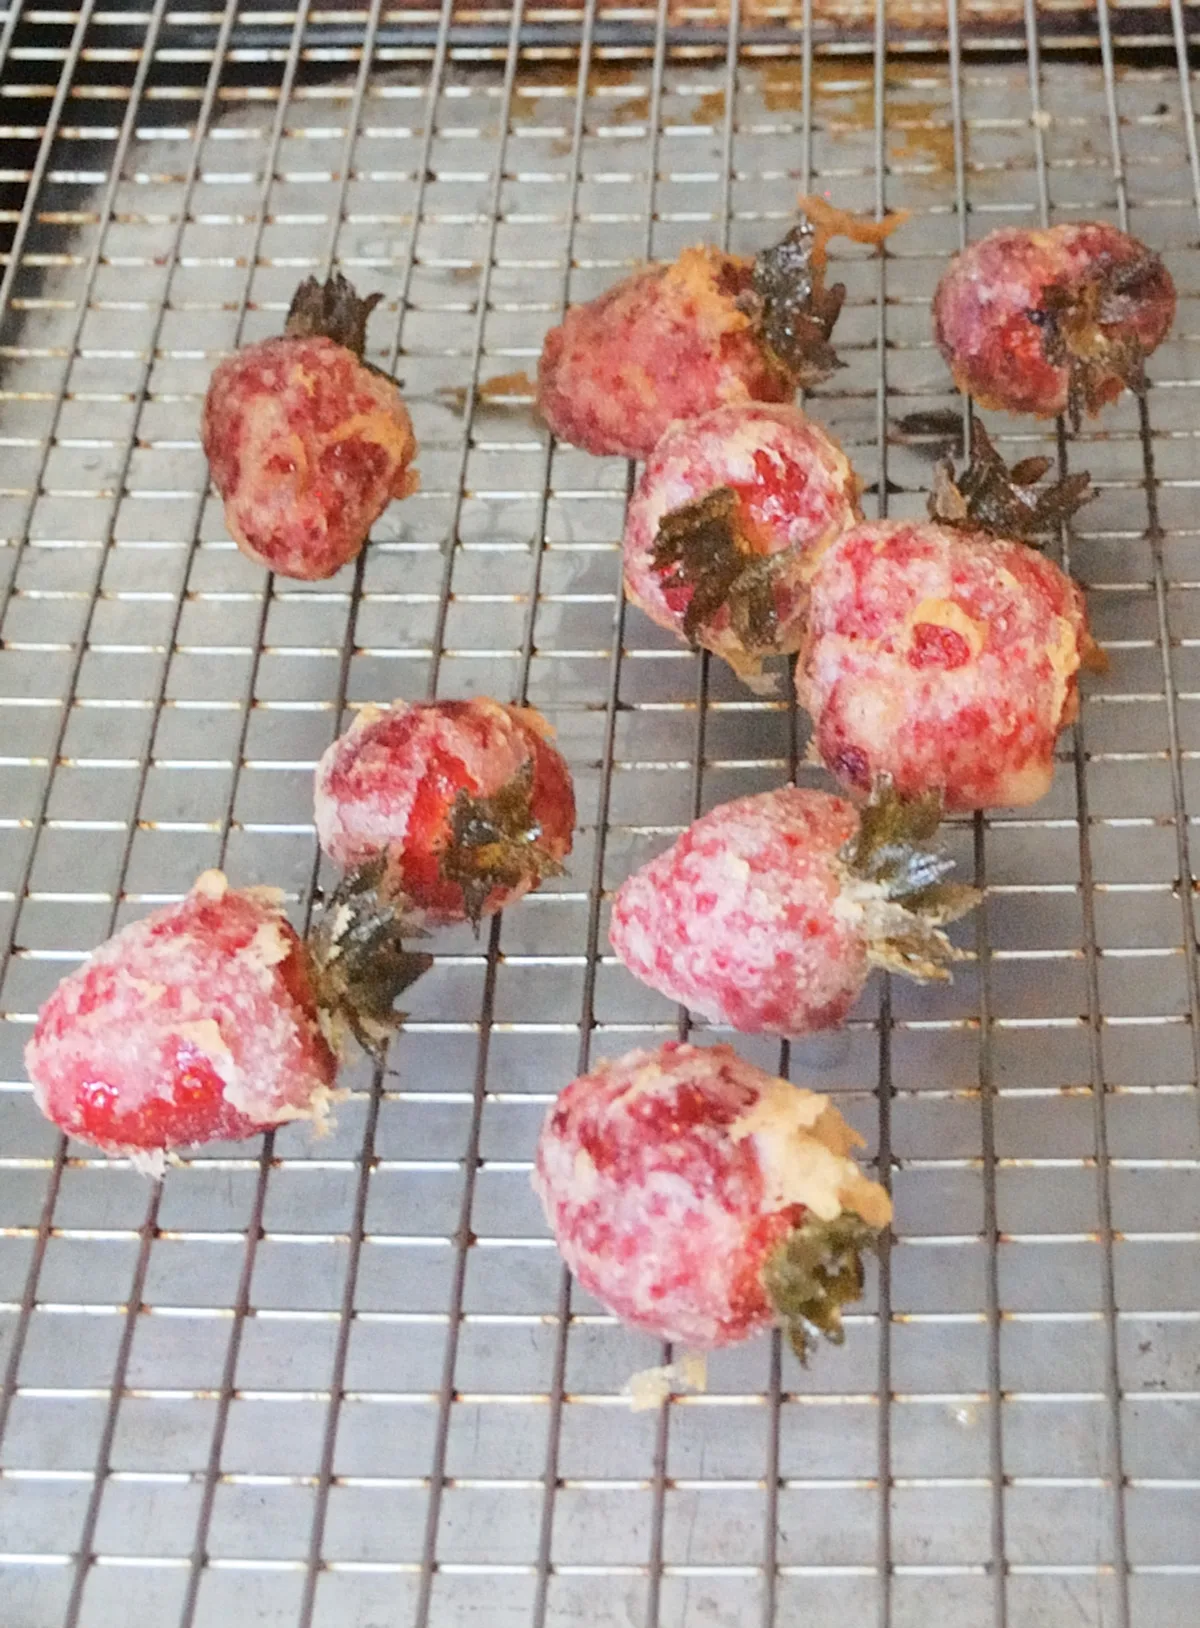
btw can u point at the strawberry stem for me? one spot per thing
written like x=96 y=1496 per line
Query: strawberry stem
x=358 y=960
x=495 y=842
x=1085 y=325
x=989 y=496
x=792 y=308
x=892 y=868
x=331 y=310
x=701 y=546
x=795 y=313
x=813 y=1273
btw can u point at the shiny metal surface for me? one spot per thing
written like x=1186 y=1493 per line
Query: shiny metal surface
x=346 y=1382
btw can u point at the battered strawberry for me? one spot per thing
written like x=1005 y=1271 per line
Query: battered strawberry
x=197 y=1023
x=944 y=659
x=768 y=912
x=1052 y=321
x=468 y=800
x=729 y=519
x=306 y=443
x=701 y=1199
x=674 y=340
x=212 y=1019
x=669 y=342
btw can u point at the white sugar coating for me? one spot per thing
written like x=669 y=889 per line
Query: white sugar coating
x=662 y=1217
x=166 y=984
x=650 y=1387
x=804 y=1151
x=743 y=918
x=365 y=787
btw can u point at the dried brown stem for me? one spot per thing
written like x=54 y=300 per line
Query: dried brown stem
x=793 y=309
x=989 y=496
x=358 y=961
x=701 y=546
x=495 y=842
x=1086 y=326
x=331 y=310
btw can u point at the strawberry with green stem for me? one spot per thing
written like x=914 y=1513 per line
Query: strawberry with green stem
x=467 y=803
x=676 y=339
x=728 y=523
x=768 y=913
x=702 y=1200
x=211 y=1019
x=308 y=443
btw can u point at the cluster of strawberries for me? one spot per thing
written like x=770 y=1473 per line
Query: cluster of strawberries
x=697 y=1196
x=213 y=1019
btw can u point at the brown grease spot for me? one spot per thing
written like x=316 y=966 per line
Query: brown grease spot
x=507 y=392
x=916 y=132
x=709 y=108
x=844 y=101
x=605 y=77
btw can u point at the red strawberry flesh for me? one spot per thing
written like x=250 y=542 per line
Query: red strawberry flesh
x=195 y=1024
x=670 y=1177
x=391 y=783
x=307 y=446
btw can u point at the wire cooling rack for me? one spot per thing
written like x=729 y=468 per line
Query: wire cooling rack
x=345 y=1382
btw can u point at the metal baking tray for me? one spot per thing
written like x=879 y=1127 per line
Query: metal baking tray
x=346 y=1383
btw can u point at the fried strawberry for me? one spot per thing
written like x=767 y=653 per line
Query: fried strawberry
x=669 y=342
x=1053 y=321
x=729 y=519
x=676 y=339
x=768 y=912
x=944 y=659
x=212 y=1019
x=308 y=444
x=468 y=800
x=701 y=1199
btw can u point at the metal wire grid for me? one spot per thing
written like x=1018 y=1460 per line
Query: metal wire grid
x=347 y=1382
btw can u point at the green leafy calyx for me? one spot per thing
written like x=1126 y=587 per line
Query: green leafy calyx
x=794 y=311
x=1086 y=327
x=989 y=496
x=358 y=960
x=813 y=1273
x=702 y=547
x=496 y=842
x=893 y=869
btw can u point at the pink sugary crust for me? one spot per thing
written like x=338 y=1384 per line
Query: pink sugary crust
x=796 y=492
x=391 y=780
x=740 y=919
x=307 y=446
x=945 y=659
x=195 y=1024
x=669 y=1231
x=982 y=308
x=668 y=342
